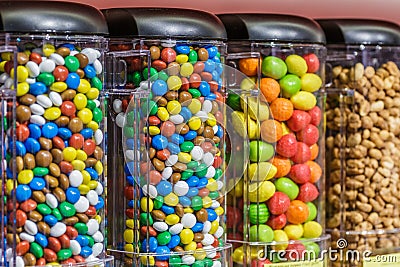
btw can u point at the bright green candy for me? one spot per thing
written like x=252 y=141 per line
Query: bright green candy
x=296 y=65
x=64 y=254
x=43 y=209
x=91 y=240
x=36 y=250
x=46 y=78
x=158 y=202
x=144 y=217
x=218 y=174
x=96 y=83
x=97 y=115
x=56 y=213
x=153 y=74
x=213 y=194
x=312 y=211
x=40 y=171
x=193 y=56
x=192 y=165
x=175 y=261
x=186 y=146
x=164 y=238
x=81 y=228
x=201 y=171
x=258 y=213
x=303 y=100
x=261 y=233
x=67 y=209
x=208 y=262
x=273 y=67
x=71 y=63
x=194 y=92
x=290 y=85
x=287 y=186
x=136 y=78
x=233 y=101
x=130 y=118
x=312 y=249
x=129 y=132
x=162 y=75
x=153 y=107
x=197 y=203
x=198 y=264
x=260 y=151
x=91 y=104
x=186 y=174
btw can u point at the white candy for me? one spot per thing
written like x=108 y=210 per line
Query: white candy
x=166 y=173
x=117 y=105
x=144 y=85
x=188 y=220
x=197 y=153
x=220 y=185
x=47 y=66
x=57 y=58
x=130 y=155
x=216 y=263
x=181 y=188
x=82 y=204
x=172 y=160
x=30 y=227
x=97 y=102
x=210 y=172
x=188 y=259
x=58 y=229
x=208 y=159
x=51 y=201
x=206 y=227
x=37 y=119
x=207 y=106
x=33 y=69
x=27 y=237
x=93 y=197
x=9 y=254
x=98 y=237
x=44 y=101
x=30 y=80
x=219 y=232
x=75 y=178
x=120 y=119
x=207 y=240
x=149 y=190
x=210 y=251
x=36 y=109
x=99 y=189
x=98 y=136
x=73 y=53
x=98 y=67
x=55 y=98
x=93 y=226
x=9 y=83
x=19 y=262
x=75 y=247
x=176 y=229
x=160 y=226
x=3 y=77
x=97 y=249
x=215 y=128
x=215 y=204
x=90 y=53
x=169 y=43
x=202 y=115
x=176 y=119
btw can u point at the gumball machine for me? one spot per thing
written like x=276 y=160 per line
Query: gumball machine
x=54 y=180
x=174 y=143
x=362 y=139
x=279 y=102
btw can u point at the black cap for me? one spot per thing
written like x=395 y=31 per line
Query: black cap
x=51 y=17
x=360 y=31
x=272 y=27
x=163 y=22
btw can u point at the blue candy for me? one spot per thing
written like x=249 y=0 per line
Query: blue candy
x=34 y=131
x=186 y=113
x=130 y=143
x=192 y=181
x=100 y=203
x=69 y=46
x=216 y=59
x=72 y=194
x=177 y=139
x=173 y=148
x=182 y=49
x=202 y=183
x=32 y=145
x=129 y=179
x=185 y=201
x=192 y=192
x=49 y=130
x=82 y=240
x=64 y=133
x=167 y=209
x=211 y=97
x=41 y=239
x=159 y=142
x=212 y=51
x=131 y=203
x=209 y=65
x=190 y=135
x=23 y=192
x=37 y=184
x=159 y=88
x=212 y=215
x=149 y=246
x=175 y=240
x=162 y=253
x=219 y=132
x=204 y=88
x=87 y=133
x=73 y=80
x=93 y=173
x=19 y=148
x=37 y=88
x=219 y=68
x=90 y=72
x=50 y=219
x=215 y=75
x=66 y=143
x=86 y=251
x=198 y=227
x=164 y=188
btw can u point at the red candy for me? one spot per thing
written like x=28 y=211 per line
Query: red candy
x=300 y=173
x=195 y=80
x=278 y=203
x=28 y=205
x=71 y=232
x=163 y=154
x=185 y=84
x=260 y=263
x=316 y=115
x=168 y=55
x=35 y=57
x=277 y=222
x=22 y=248
x=308 y=192
x=89 y=146
x=49 y=255
x=303 y=153
x=54 y=244
x=153 y=120
x=295 y=252
x=22 y=132
x=68 y=108
x=312 y=62
x=64 y=240
x=76 y=141
x=58 y=142
x=309 y=134
x=287 y=146
x=60 y=73
x=299 y=120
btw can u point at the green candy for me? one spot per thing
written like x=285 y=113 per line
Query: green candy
x=162 y=75
x=91 y=240
x=213 y=195
x=56 y=213
x=158 y=202
x=290 y=85
x=287 y=186
x=208 y=262
x=233 y=101
x=258 y=213
x=144 y=217
x=175 y=261
x=67 y=209
x=197 y=203
x=260 y=151
x=193 y=56
x=198 y=264
x=218 y=174
x=273 y=67
x=130 y=118
x=201 y=171
x=90 y=104
x=36 y=250
x=96 y=83
x=312 y=250
x=43 y=208
x=164 y=238
x=64 y=254
x=129 y=132
x=187 y=174
x=97 y=115
x=40 y=171
x=312 y=211
x=153 y=74
x=136 y=78
x=81 y=228
x=261 y=233
x=194 y=92
x=186 y=146
x=153 y=108
x=192 y=165
x=46 y=78
x=71 y=63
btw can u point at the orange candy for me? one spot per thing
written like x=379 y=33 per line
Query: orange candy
x=271 y=131
x=316 y=171
x=270 y=88
x=282 y=165
x=314 y=151
x=297 y=212
x=281 y=109
x=249 y=66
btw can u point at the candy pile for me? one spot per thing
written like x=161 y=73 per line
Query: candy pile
x=180 y=190
x=284 y=173
x=58 y=192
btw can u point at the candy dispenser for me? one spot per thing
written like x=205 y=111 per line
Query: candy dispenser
x=362 y=144
x=177 y=157
x=280 y=101
x=55 y=200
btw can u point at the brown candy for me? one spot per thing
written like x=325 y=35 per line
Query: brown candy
x=182 y=128
x=23 y=113
x=208 y=132
x=81 y=73
x=45 y=143
x=35 y=216
x=38 y=196
x=29 y=259
x=200 y=130
x=90 y=162
x=19 y=163
x=62 y=121
x=59 y=194
x=82 y=217
x=158 y=215
x=171 y=95
x=198 y=237
x=83 y=60
x=29 y=161
x=54 y=169
x=98 y=153
x=51 y=181
x=175 y=177
x=63 y=51
x=71 y=220
x=43 y=228
x=27 y=99
x=185 y=98
x=43 y=158
x=198 y=140
x=202 y=215
x=158 y=164
x=161 y=101
x=179 y=167
x=179 y=249
x=179 y=210
x=173 y=68
x=202 y=54
x=155 y=52
x=57 y=155
x=152 y=152
x=64 y=181
x=75 y=125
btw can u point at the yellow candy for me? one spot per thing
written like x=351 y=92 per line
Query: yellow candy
x=310 y=82
x=207 y=202
x=194 y=123
x=10 y=186
x=191 y=246
x=93 y=125
x=238 y=255
x=84 y=86
x=146 y=204
x=248 y=83
x=171 y=199
x=312 y=229
x=48 y=49
x=6 y=56
x=80 y=101
x=58 y=87
x=294 y=231
x=186 y=236
x=174 y=83
x=154 y=130
x=174 y=107
x=212 y=185
x=78 y=165
x=25 y=176
x=280 y=236
x=52 y=113
x=92 y=93
x=93 y=184
x=172 y=219
x=184 y=157
x=188 y=210
x=262 y=171
x=83 y=189
x=195 y=106
x=129 y=248
x=69 y=154
x=81 y=155
x=260 y=192
x=22 y=74
x=54 y=263
x=86 y=177
x=85 y=115
x=182 y=58
x=303 y=100
x=2 y=63
x=186 y=69
x=130 y=223
x=211 y=120
x=128 y=235
x=285 y=129
x=162 y=114
x=199 y=254
x=219 y=211
x=147 y=260
x=98 y=218
x=99 y=167
x=22 y=88
x=214 y=227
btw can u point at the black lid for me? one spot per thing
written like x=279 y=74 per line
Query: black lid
x=51 y=16
x=163 y=22
x=360 y=31
x=272 y=27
